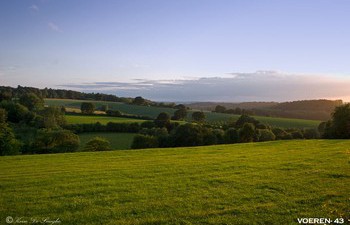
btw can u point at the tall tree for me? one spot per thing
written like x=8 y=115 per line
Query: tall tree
x=180 y=114
x=9 y=145
x=339 y=126
x=198 y=117
x=31 y=101
x=139 y=101
x=220 y=109
x=87 y=108
x=162 y=120
x=246 y=133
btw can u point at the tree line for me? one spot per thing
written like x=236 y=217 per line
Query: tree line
x=162 y=133
x=306 y=109
x=10 y=93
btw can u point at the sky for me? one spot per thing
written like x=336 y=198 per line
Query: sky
x=179 y=50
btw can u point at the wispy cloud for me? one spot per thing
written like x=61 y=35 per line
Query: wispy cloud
x=34 y=8
x=258 y=86
x=54 y=27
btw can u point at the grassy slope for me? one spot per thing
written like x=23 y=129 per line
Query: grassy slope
x=211 y=117
x=76 y=119
x=257 y=183
x=118 y=140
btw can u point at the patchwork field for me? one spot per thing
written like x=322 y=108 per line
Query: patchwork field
x=211 y=117
x=256 y=183
x=79 y=119
x=118 y=140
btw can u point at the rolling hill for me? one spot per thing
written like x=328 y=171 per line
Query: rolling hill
x=212 y=117
x=257 y=183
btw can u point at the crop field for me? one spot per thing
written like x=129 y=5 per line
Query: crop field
x=79 y=119
x=255 y=183
x=122 y=107
x=118 y=140
x=211 y=117
x=273 y=121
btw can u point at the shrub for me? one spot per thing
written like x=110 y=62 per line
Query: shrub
x=144 y=141
x=198 y=117
x=188 y=135
x=247 y=132
x=87 y=108
x=297 y=135
x=311 y=134
x=266 y=135
x=97 y=144
x=162 y=120
x=231 y=136
x=55 y=141
x=9 y=145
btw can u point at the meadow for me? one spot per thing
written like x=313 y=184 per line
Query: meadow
x=118 y=140
x=254 y=183
x=211 y=116
x=81 y=119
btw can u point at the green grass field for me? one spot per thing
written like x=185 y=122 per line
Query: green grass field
x=78 y=119
x=256 y=183
x=211 y=117
x=118 y=140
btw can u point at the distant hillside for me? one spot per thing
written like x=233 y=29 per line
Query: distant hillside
x=210 y=106
x=306 y=109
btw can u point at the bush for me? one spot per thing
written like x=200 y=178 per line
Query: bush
x=87 y=108
x=297 y=135
x=220 y=136
x=97 y=144
x=55 y=141
x=162 y=120
x=311 y=134
x=280 y=133
x=339 y=126
x=9 y=145
x=247 y=132
x=198 y=117
x=188 y=135
x=144 y=141
x=231 y=136
x=154 y=131
x=3 y=116
x=246 y=119
x=15 y=112
x=266 y=135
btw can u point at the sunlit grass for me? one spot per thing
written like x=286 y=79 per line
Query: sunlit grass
x=256 y=183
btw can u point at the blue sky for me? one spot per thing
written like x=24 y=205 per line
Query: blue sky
x=143 y=45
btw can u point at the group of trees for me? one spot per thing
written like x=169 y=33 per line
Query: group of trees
x=237 y=110
x=245 y=129
x=10 y=92
x=339 y=126
x=29 y=127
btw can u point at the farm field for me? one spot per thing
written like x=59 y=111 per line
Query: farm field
x=79 y=119
x=273 y=121
x=211 y=116
x=118 y=140
x=255 y=183
x=122 y=107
